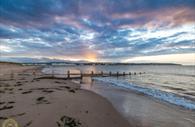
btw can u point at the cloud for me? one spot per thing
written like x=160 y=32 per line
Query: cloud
x=112 y=30
x=187 y=59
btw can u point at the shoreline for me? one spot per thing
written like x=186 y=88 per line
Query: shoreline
x=50 y=102
x=171 y=98
x=143 y=110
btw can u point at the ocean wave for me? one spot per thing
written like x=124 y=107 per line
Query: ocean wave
x=162 y=95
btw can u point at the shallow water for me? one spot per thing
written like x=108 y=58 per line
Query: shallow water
x=173 y=79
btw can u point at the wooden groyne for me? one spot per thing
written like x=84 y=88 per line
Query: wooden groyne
x=80 y=75
x=69 y=75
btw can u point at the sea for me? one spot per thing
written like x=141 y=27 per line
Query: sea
x=174 y=84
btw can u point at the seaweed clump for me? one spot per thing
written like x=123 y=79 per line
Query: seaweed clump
x=66 y=121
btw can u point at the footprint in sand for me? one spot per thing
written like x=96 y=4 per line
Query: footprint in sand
x=72 y=90
x=47 y=91
x=6 y=107
x=3 y=118
x=27 y=92
x=1 y=103
x=42 y=100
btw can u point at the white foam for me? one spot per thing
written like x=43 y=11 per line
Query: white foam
x=162 y=95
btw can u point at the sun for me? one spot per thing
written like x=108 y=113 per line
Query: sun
x=91 y=56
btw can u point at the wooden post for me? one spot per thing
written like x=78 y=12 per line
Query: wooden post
x=123 y=73
x=129 y=73
x=117 y=74
x=140 y=73
x=110 y=73
x=92 y=73
x=34 y=74
x=102 y=73
x=81 y=75
x=134 y=73
x=68 y=74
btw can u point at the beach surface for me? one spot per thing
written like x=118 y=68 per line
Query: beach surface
x=36 y=102
x=142 y=110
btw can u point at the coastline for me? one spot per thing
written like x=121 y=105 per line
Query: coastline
x=143 y=110
x=50 y=102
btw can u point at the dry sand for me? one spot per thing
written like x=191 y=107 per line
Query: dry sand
x=51 y=102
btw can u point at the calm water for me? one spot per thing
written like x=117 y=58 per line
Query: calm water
x=171 y=83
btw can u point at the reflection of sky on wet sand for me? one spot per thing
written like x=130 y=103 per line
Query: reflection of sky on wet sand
x=140 y=109
x=87 y=83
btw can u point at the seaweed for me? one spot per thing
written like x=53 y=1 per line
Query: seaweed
x=66 y=121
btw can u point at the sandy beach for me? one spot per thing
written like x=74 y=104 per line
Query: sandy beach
x=142 y=110
x=51 y=102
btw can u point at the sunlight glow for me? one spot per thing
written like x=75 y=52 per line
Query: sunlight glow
x=90 y=56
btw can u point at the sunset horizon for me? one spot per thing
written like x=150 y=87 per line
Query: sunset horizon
x=187 y=59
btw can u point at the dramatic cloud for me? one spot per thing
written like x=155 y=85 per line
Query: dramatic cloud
x=96 y=30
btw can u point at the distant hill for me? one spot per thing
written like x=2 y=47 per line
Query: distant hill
x=36 y=60
x=47 y=61
x=2 y=62
x=92 y=63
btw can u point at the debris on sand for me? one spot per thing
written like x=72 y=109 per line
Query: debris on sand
x=66 y=121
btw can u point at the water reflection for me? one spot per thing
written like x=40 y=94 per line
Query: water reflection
x=87 y=83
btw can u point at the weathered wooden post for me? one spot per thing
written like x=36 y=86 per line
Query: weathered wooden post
x=110 y=73
x=102 y=73
x=129 y=73
x=134 y=73
x=123 y=73
x=68 y=74
x=91 y=73
x=117 y=74
x=34 y=74
x=81 y=75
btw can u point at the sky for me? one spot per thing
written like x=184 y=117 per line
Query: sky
x=98 y=30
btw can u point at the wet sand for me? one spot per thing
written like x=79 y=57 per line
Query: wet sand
x=51 y=102
x=9 y=68
x=143 y=111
